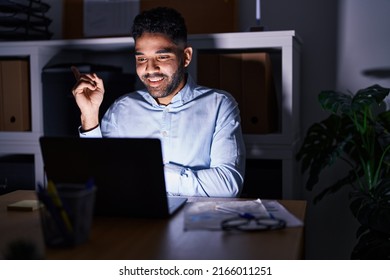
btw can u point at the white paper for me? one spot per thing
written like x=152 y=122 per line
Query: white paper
x=280 y=212
x=206 y=216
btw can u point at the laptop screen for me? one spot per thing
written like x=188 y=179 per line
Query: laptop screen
x=128 y=172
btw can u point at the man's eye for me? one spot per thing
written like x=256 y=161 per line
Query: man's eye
x=163 y=57
x=141 y=59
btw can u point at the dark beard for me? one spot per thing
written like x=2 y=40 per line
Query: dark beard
x=177 y=78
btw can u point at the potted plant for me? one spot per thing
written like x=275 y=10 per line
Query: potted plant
x=356 y=132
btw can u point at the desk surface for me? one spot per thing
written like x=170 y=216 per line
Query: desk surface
x=130 y=238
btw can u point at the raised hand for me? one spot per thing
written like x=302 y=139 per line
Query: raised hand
x=88 y=92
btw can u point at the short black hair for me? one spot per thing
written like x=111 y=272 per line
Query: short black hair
x=163 y=20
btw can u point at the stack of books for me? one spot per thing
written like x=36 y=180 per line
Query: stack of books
x=24 y=20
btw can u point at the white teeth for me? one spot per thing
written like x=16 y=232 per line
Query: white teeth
x=155 y=79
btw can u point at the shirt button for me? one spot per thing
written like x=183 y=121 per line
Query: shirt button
x=164 y=133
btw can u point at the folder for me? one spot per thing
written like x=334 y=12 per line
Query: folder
x=230 y=76
x=15 y=95
x=248 y=76
x=258 y=94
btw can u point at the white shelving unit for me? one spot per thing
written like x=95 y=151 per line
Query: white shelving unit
x=281 y=145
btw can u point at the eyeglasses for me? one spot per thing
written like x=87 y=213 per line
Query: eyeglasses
x=247 y=222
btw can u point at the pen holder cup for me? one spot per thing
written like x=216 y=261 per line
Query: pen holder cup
x=70 y=225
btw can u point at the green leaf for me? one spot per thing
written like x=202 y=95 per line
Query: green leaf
x=335 y=102
x=372 y=207
x=367 y=97
x=324 y=144
x=372 y=245
x=382 y=128
x=384 y=119
x=335 y=187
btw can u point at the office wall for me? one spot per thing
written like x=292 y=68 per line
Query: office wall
x=364 y=44
x=341 y=40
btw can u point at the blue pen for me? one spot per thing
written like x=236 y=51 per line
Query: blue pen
x=271 y=216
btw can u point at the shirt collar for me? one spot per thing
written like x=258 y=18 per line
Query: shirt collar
x=186 y=94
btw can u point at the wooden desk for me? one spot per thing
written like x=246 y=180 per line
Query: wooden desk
x=124 y=238
x=19 y=225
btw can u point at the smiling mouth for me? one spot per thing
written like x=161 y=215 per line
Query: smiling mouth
x=155 y=79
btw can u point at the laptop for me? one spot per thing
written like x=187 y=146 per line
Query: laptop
x=128 y=173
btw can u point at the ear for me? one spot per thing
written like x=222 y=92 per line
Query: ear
x=187 y=56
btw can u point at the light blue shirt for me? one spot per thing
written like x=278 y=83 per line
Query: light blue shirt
x=200 y=133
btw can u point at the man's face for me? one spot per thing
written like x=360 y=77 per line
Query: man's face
x=160 y=65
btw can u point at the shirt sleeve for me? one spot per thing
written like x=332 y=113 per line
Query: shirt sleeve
x=94 y=133
x=225 y=176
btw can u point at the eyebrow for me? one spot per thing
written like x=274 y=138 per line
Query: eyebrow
x=165 y=50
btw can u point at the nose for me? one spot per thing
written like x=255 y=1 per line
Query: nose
x=152 y=66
